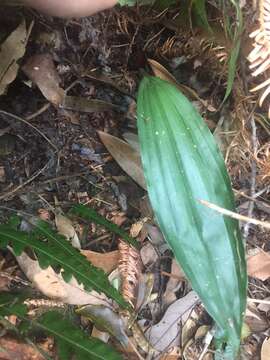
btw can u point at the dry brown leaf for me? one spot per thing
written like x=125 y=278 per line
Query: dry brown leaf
x=2 y=174
x=148 y=254
x=78 y=103
x=189 y=328
x=107 y=262
x=258 y=265
x=13 y=349
x=265 y=307
x=65 y=228
x=10 y=52
x=265 y=352
x=128 y=159
x=173 y=284
x=167 y=332
x=133 y=140
x=173 y=353
x=41 y=71
x=137 y=227
x=52 y=285
x=254 y=320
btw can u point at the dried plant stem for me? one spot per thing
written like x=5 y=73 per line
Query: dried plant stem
x=18 y=118
x=258 y=301
x=234 y=215
x=253 y=175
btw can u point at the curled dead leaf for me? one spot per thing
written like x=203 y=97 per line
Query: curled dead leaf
x=66 y=228
x=167 y=332
x=42 y=72
x=265 y=352
x=127 y=158
x=10 y=52
x=52 y=285
x=107 y=262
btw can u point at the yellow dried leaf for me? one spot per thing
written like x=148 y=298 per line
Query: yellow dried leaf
x=10 y=52
x=258 y=266
x=265 y=352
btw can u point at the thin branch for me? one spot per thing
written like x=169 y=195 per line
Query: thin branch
x=234 y=215
x=18 y=118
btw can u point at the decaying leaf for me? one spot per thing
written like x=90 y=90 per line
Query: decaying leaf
x=167 y=332
x=65 y=227
x=177 y=277
x=13 y=349
x=133 y=140
x=52 y=285
x=128 y=158
x=265 y=352
x=107 y=261
x=145 y=287
x=258 y=265
x=263 y=306
x=105 y=319
x=10 y=52
x=189 y=328
x=42 y=72
x=148 y=254
x=77 y=103
x=254 y=320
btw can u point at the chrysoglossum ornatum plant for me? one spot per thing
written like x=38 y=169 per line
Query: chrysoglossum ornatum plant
x=182 y=165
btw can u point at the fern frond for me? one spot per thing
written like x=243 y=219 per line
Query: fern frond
x=259 y=57
x=91 y=215
x=53 y=249
x=72 y=342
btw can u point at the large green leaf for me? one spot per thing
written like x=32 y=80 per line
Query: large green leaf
x=53 y=249
x=71 y=340
x=182 y=165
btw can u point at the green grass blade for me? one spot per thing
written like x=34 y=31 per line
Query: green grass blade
x=232 y=66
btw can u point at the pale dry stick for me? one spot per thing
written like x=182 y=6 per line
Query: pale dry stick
x=234 y=215
x=38 y=112
x=253 y=175
x=258 y=301
x=18 y=118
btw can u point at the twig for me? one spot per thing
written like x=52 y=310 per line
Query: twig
x=5 y=194
x=18 y=118
x=234 y=215
x=258 y=301
x=38 y=112
x=253 y=175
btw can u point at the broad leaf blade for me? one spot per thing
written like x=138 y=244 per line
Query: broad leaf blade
x=182 y=164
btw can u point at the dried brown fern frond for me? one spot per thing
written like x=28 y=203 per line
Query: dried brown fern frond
x=130 y=268
x=259 y=57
